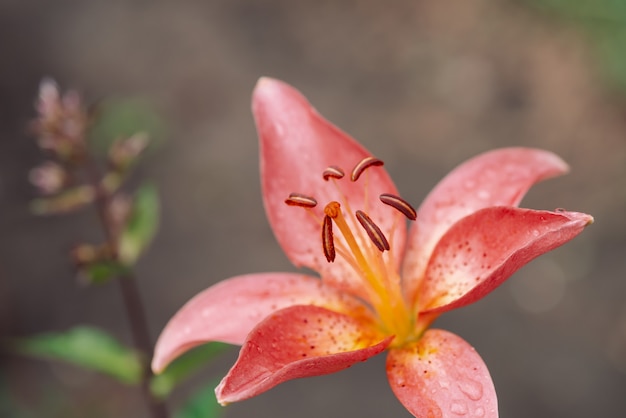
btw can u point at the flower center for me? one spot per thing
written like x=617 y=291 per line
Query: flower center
x=366 y=249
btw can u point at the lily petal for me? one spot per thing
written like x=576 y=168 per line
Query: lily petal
x=299 y=341
x=229 y=310
x=496 y=178
x=482 y=250
x=297 y=144
x=441 y=375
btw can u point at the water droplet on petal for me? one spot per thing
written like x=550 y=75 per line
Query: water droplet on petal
x=400 y=381
x=471 y=389
x=535 y=232
x=479 y=412
x=444 y=384
x=254 y=314
x=484 y=194
x=470 y=184
x=279 y=128
x=458 y=408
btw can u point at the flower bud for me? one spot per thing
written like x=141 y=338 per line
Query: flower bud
x=119 y=211
x=125 y=151
x=49 y=177
x=48 y=104
x=61 y=122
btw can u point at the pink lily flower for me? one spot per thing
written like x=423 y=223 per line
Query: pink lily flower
x=381 y=284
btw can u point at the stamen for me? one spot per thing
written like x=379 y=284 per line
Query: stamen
x=334 y=172
x=327 y=239
x=333 y=211
x=399 y=204
x=297 y=199
x=362 y=165
x=374 y=232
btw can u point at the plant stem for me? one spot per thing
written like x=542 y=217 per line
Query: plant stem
x=141 y=338
x=131 y=297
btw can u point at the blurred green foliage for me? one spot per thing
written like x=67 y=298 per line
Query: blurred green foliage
x=96 y=350
x=604 y=23
x=88 y=347
x=101 y=272
x=114 y=119
x=202 y=404
x=142 y=224
x=184 y=366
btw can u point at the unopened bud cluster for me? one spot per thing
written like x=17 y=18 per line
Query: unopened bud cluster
x=72 y=177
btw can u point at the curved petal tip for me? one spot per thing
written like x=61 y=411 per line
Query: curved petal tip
x=269 y=90
x=441 y=375
x=266 y=82
x=229 y=310
x=299 y=341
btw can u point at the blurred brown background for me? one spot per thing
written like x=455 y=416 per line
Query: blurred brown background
x=423 y=84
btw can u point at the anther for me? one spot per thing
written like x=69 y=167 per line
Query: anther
x=362 y=165
x=374 y=232
x=327 y=239
x=297 y=199
x=400 y=204
x=334 y=172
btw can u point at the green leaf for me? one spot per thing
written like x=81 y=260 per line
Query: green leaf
x=101 y=272
x=122 y=118
x=604 y=23
x=610 y=44
x=183 y=367
x=202 y=404
x=87 y=347
x=141 y=226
